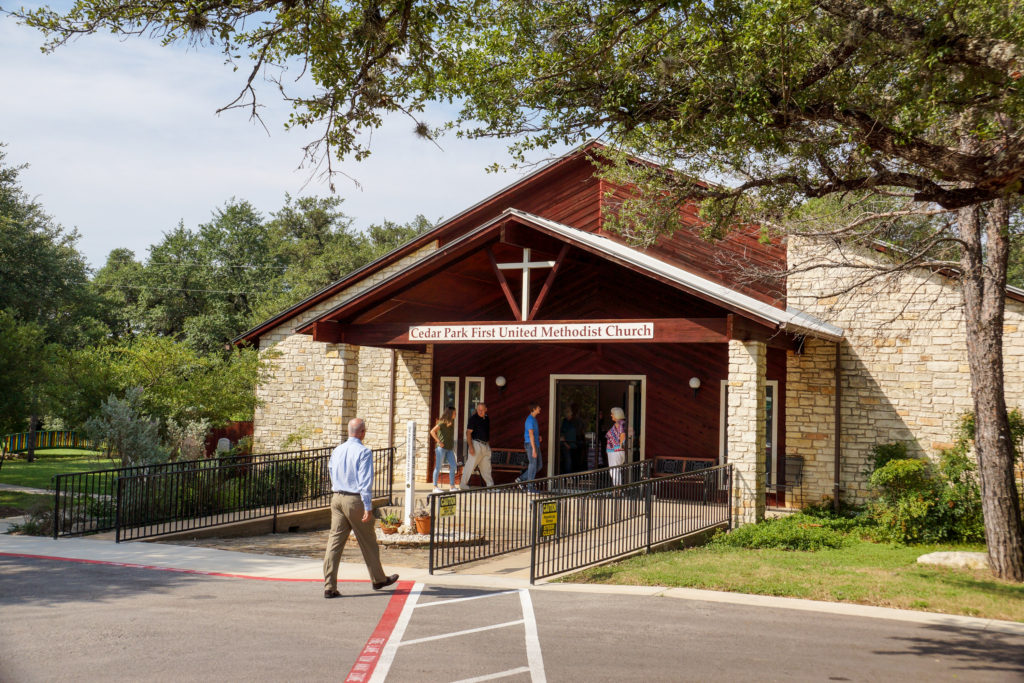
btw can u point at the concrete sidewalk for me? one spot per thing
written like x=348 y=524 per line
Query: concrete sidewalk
x=503 y=573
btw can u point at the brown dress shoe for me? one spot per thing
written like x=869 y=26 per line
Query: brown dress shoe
x=386 y=582
x=331 y=594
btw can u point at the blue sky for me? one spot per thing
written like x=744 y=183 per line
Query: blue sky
x=123 y=141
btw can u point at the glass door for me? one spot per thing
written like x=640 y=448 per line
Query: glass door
x=474 y=394
x=449 y=396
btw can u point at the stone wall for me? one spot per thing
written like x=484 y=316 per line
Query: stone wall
x=314 y=387
x=903 y=361
x=412 y=401
x=746 y=432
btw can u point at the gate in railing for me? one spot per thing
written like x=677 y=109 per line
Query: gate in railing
x=482 y=523
x=576 y=530
x=149 y=500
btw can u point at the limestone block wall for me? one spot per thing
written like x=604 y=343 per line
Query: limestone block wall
x=413 y=373
x=903 y=362
x=412 y=402
x=313 y=388
x=746 y=429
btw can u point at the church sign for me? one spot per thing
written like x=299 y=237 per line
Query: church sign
x=601 y=331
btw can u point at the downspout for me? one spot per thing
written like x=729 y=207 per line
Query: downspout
x=839 y=428
x=391 y=401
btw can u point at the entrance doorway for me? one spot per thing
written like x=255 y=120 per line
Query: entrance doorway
x=577 y=443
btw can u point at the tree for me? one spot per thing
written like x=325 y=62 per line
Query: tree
x=43 y=276
x=26 y=362
x=781 y=100
x=178 y=383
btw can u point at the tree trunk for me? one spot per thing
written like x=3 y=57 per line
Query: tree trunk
x=984 y=292
x=30 y=456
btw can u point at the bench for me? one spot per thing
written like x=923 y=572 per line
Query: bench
x=506 y=465
x=665 y=465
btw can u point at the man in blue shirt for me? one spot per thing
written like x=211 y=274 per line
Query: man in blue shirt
x=531 y=443
x=351 y=469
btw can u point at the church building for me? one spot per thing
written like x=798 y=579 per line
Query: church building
x=526 y=297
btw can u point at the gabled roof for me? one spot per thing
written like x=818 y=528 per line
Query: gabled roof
x=792 y=321
x=412 y=245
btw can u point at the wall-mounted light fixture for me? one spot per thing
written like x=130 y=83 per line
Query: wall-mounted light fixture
x=500 y=381
x=695 y=385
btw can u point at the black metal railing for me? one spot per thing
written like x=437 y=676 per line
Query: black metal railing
x=573 y=531
x=478 y=524
x=218 y=490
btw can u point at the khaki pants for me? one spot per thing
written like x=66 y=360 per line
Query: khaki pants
x=481 y=458
x=347 y=515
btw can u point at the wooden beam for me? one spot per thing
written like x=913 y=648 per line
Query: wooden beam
x=550 y=279
x=327 y=331
x=666 y=330
x=504 y=285
x=739 y=328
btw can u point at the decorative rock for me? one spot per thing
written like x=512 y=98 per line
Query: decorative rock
x=957 y=560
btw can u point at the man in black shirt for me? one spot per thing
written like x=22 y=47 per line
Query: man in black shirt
x=478 y=436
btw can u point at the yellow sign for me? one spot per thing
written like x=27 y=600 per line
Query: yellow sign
x=446 y=506
x=548 y=519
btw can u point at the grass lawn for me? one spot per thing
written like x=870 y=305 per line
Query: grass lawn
x=16 y=503
x=48 y=463
x=863 y=572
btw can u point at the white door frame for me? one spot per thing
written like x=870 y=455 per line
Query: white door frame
x=553 y=407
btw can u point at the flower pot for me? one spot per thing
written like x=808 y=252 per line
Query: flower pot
x=389 y=529
x=422 y=525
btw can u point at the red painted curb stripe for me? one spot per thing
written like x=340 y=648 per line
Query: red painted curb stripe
x=367 y=660
x=132 y=565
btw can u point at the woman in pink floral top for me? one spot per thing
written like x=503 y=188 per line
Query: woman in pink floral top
x=616 y=441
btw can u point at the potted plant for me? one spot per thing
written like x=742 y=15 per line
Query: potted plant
x=389 y=522
x=422 y=519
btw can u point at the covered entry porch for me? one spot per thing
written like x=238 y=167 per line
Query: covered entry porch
x=546 y=308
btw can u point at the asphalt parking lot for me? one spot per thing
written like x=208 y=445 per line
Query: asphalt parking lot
x=83 y=621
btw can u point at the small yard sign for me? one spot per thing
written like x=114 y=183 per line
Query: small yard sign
x=446 y=506
x=548 y=519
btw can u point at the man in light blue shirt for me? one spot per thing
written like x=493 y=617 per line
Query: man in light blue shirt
x=351 y=470
x=531 y=444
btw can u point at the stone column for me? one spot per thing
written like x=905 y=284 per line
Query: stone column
x=745 y=429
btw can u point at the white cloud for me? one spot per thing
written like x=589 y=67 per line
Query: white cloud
x=123 y=141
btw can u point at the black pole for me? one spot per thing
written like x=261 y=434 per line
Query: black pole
x=57 y=479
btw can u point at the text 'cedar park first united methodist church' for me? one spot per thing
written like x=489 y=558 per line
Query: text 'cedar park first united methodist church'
x=533 y=332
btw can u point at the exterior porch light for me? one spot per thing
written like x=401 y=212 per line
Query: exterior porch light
x=695 y=385
x=500 y=381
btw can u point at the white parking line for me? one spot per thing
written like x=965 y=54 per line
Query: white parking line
x=500 y=674
x=461 y=633
x=387 y=656
x=454 y=600
x=534 y=656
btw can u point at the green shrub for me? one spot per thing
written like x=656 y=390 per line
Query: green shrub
x=796 y=532
x=921 y=503
x=908 y=495
x=884 y=452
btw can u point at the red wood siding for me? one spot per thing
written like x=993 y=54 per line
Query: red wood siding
x=722 y=261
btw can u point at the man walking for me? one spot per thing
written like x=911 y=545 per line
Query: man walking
x=531 y=444
x=351 y=468
x=478 y=436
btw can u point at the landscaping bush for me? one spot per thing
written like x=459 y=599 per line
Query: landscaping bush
x=796 y=532
x=126 y=431
x=885 y=452
x=921 y=503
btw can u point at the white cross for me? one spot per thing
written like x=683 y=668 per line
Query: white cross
x=526 y=265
